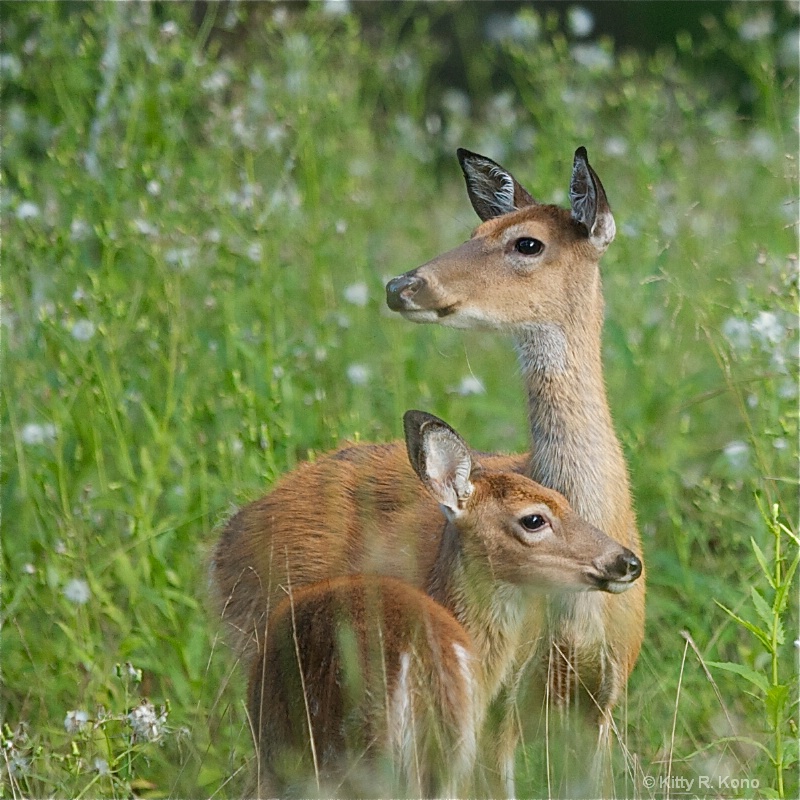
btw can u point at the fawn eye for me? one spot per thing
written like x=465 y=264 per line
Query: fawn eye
x=528 y=246
x=533 y=522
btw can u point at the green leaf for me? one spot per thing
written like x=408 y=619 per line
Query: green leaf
x=762 y=607
x=775 y=702
x=782 y=594
x=756 y=678
x=772 y=794
x=762 y=561
x=762 y=636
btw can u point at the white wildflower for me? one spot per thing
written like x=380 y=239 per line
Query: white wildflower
x=28 y=210
x=359 y=167
x=145 y=228
x=630 y=230
x=522 y=27
x=16 y=119
x=335 y=8
x=737 y=332
x=780 y=443
x=580 y=21
x=217 y=81
x=254 y=252
x=433 y=124
x=357 y=294
x=146 y=724
x=789 y=49
x=762 y=146
x=18 y=765
x=10 y=66
x=169 y=30
x=75 y=721
x=341 y=226
x=737 y=453
x=77 y=591
x=275 y=134
x=767 y=328
x=456 y=102
x=79 y=230
x=83 y=330
x=278 y=372
x=237 y=446
x=358 y=374
x=182 y=257
x=29 y=569
x=154 y=188
x=470 y=385
x=240 y=129
x=592 y=56
x=33 y=433
x=616 y=146
x=320 y=354
x=213 y=236
x=101 y=766
x=757 y=27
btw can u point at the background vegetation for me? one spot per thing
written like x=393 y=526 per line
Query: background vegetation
x=198 y=220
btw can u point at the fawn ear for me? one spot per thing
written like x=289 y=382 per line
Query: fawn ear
x=589 y=203
x=441 y=459
x=492 y=190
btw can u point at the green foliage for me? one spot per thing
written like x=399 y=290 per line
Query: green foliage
x=196 y=238
x=776 y=689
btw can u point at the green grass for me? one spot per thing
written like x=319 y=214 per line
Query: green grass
x=176 y=336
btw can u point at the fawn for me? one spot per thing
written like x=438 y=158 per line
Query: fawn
x=531 y=270
x=363 y=672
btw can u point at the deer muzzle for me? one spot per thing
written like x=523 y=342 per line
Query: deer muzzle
x=400 y=292
x=620 y=574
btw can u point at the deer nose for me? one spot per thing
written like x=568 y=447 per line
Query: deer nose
x=627 y=567
x=400 y=291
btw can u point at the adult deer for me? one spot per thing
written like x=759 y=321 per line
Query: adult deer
x=532 y=270
x=362 y=667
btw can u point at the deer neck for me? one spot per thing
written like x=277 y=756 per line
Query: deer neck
x=491 y=612
x=574 y=447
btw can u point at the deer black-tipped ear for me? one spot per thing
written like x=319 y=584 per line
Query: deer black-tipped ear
x=589 y=203
x=441 y=459
x=492 y=190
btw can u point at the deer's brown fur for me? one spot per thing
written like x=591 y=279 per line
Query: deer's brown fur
x=360 y=667
x=362 y=504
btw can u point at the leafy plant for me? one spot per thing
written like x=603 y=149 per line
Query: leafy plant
x=775 y=689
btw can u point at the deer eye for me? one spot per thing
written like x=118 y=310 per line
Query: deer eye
x=528 y=246
x=533 y=522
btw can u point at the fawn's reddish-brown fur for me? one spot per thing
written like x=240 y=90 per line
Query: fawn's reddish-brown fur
x=360 y=667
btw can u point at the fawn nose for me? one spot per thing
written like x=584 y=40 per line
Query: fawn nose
x=627 y=567
x=401 y=290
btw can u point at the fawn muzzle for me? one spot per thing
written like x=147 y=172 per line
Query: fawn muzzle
x=619 y=574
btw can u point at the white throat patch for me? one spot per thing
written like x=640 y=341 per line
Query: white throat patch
x=542 y=347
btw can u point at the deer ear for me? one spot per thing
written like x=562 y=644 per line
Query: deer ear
x=441 y=459
x=589 y=203
x=492 y=190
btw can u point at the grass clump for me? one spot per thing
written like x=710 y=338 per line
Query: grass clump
x=196 y=239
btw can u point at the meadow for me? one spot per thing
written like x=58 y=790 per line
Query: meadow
x=196 y=235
